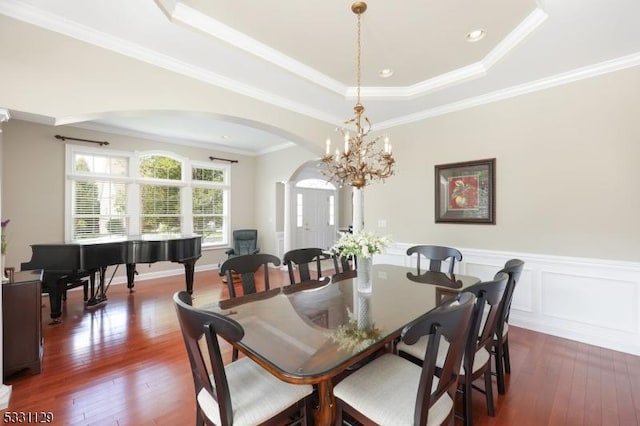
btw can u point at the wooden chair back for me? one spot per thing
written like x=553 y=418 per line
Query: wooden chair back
x=302 y=259
x=436 y=255
x=449 y=320
x=513 y=268
x=484 y=320
x=344 y=263
x=196 y=324
x=246 y=266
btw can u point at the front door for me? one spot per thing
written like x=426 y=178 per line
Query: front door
x=315 y=217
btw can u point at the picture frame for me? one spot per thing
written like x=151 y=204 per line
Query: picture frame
x=465 y=192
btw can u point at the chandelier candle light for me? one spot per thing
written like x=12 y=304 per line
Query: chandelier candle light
x=361 y=161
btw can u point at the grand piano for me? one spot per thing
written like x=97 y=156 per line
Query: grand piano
x=68 y=265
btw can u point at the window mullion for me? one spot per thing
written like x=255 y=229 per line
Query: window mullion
x=187 y=210
x=134 y=209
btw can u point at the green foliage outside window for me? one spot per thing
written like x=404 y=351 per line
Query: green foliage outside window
x=161 y=211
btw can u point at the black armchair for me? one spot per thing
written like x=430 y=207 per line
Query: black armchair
x=245 y=241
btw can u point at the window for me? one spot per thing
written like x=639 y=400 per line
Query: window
x=299 y=210
x=209 y=202
x=160 y=206
x=98 y=195
x=111 y=193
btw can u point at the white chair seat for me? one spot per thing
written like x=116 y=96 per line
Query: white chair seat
x=385 y=391
x=256 y=395
x=418 y=350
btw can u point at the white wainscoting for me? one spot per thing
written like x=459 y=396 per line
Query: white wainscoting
x=588 y=300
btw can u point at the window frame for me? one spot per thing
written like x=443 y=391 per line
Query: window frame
x=133 y=182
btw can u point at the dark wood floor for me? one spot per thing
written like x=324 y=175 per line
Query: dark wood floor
x=124 y=363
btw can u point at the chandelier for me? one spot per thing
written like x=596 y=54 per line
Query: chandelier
x=362 y=161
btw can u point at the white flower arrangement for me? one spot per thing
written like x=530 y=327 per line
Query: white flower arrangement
x=362 y=244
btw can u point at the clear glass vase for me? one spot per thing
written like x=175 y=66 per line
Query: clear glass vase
x=365 y=266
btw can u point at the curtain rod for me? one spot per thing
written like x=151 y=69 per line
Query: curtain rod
x=223 y=159
x=64 y=138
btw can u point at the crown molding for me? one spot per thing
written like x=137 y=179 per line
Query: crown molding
x=188 y=16
x=178 y=12
x=27 y=13
x=583 y=73
x=86 y=34
x=531 y=23
x=460 y=75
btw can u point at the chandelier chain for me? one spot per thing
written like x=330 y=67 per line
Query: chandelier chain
x=358 y=61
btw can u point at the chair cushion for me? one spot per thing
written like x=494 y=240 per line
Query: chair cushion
x=256 y=395
x=419 y=349
x=385 y=391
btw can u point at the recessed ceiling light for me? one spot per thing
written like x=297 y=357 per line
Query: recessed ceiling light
x=385 y=73
x=475 y=35
x=224 y=137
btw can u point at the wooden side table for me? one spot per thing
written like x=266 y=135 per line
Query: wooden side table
x=22 y=323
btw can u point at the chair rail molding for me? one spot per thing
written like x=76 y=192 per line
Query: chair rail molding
x=594 y=301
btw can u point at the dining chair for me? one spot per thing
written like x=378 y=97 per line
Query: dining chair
x=477 y=356
x=242 y=392
x=391 y=390
x=302 y=259
x=500 y=346
x=344 y=263
x=436 y=255
x=246 y=266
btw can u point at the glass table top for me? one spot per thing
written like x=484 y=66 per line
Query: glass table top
x=310 y=332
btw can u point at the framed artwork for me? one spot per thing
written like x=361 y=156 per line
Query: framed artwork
x=465 y=192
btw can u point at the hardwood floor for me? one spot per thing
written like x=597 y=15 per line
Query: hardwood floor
x=124 y=363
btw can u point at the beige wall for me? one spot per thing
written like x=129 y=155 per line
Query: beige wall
x=33 y=184
x=567 y=172
x=271 y=168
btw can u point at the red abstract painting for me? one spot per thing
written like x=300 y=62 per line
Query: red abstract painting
x=463 y=192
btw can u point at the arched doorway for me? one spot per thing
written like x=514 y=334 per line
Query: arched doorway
x=311 y=206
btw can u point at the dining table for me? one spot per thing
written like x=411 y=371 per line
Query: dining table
x=316 y=332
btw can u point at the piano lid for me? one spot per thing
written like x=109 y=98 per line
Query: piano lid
x=128 y=238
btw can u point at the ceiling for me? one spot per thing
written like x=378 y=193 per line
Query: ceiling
x=302 y=55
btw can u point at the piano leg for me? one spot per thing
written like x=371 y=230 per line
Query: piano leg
x=189 y=270
x=55 y=290
x=131 y=273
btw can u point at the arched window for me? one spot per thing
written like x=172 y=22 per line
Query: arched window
x=114 y=193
